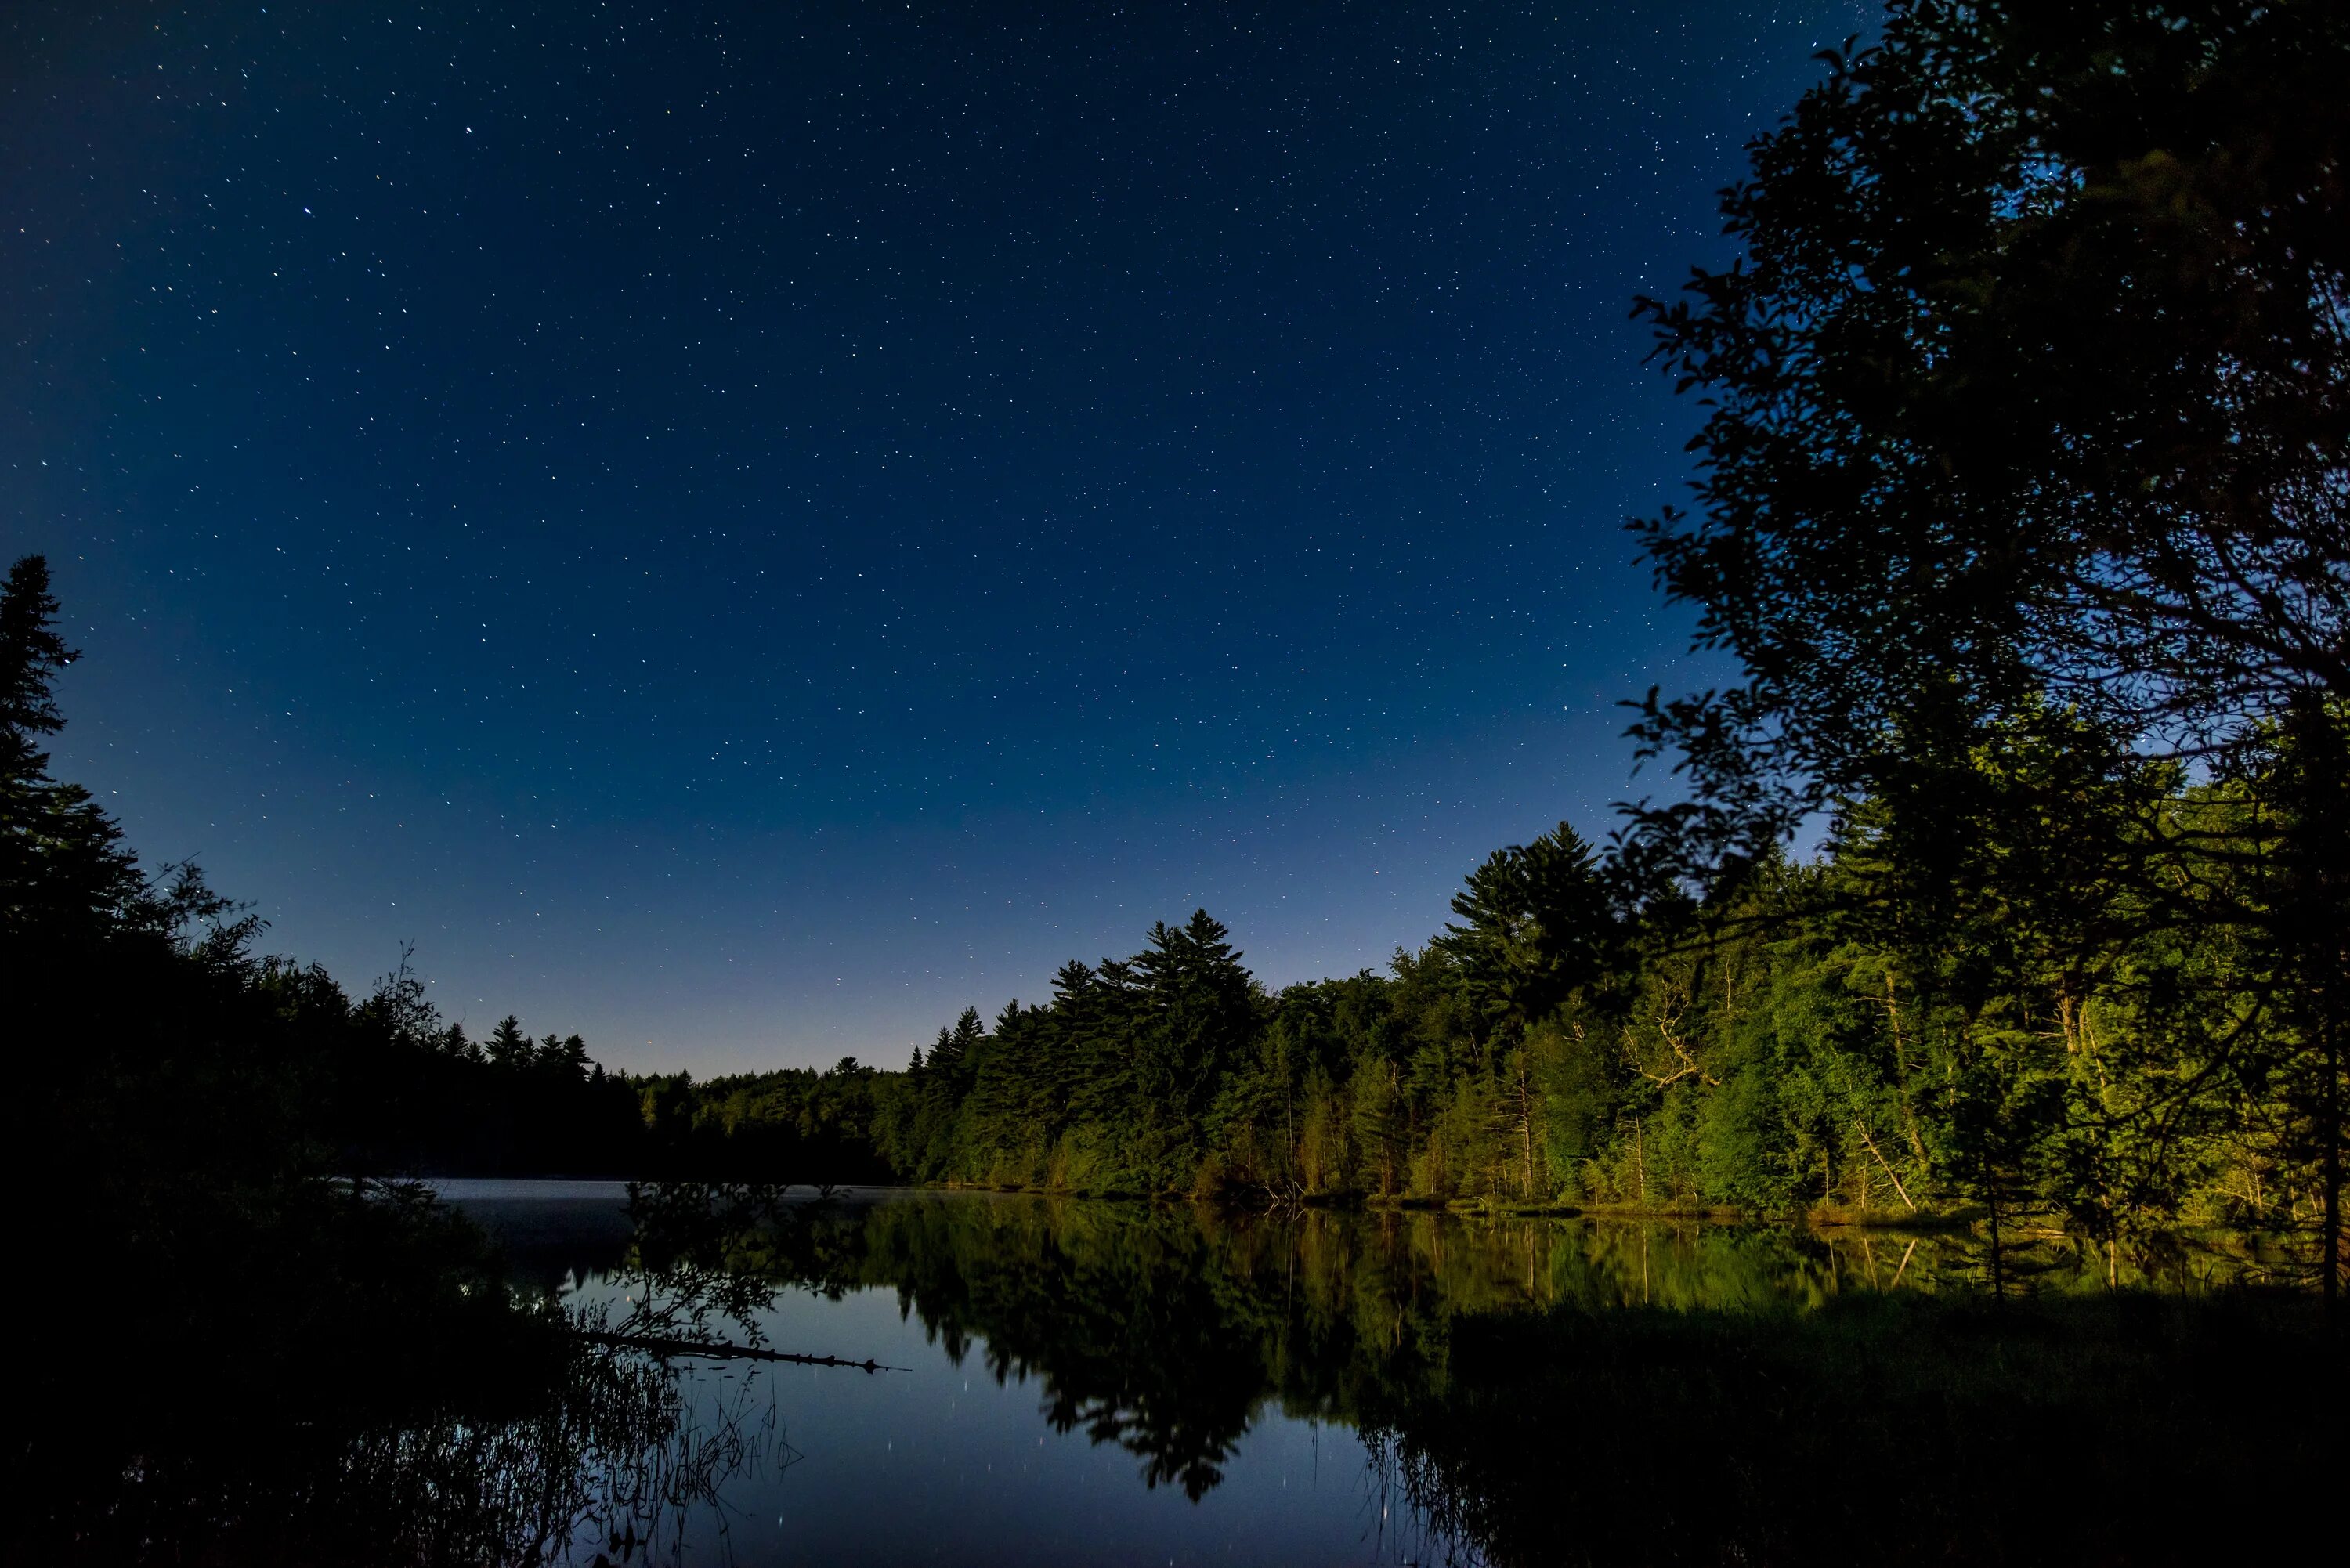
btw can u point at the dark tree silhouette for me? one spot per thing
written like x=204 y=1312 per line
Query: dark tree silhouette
x=2031 y=387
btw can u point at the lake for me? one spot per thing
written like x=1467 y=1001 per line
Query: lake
x=1088 y=1381
x=986 y=1442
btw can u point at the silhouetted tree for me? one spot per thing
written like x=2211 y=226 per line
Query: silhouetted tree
x=1535 y=925
x=2031 y=387
x=507 y=1045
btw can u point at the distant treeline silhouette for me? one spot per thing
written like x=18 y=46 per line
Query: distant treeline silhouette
x=439 y=1102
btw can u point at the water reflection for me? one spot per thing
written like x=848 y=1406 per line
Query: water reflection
x=1121 y=1382
x=1565 y=1390
x=569 y=1453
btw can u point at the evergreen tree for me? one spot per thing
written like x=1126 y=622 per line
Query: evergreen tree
x=507 y=1045
x=1534 y=925
x=64 y=871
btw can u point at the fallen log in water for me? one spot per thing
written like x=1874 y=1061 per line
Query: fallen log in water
x=657 y=1346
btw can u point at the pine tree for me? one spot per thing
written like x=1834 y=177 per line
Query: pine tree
x=64 y=871
x=508 y=1046
x=1534 y=926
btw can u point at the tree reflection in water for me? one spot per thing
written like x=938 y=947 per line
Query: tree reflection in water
x=1555 y=1391
x=1530 y=1391
x=616 y=1463
x=327 y=1422
x=612 y=1456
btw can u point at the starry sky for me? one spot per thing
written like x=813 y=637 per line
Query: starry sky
x=740 y=530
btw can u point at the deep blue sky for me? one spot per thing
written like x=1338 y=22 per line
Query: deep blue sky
x=743 y=529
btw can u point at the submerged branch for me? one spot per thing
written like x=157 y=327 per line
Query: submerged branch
x=657 y=1346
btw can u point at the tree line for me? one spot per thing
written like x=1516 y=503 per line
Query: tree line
x=1786 y=1042
x=2023 y=507
x=433 y=1101
x=2021 y=1027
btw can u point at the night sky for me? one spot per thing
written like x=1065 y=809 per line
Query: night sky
x=741 y=530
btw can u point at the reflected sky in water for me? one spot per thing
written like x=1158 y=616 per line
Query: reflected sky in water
x=937 y=1461
x=1105 y=1382
x=940 y=1463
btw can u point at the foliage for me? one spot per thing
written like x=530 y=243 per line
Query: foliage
x=2020 y=506
x=351 y=1377
x=2007 y=1031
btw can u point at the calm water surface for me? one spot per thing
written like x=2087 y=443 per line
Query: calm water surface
x=1100 y=1382
x=956 y=1454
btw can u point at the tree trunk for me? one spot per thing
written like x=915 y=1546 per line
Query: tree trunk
x=2330 y=1129
x=2316 y=914
x=1990 y=1196
x=1526 y=1129
x=1902 y=1070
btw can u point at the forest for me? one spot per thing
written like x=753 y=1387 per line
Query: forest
x=1774 y=1046
x=2011 y=879
x=2011 y=876
x=2002 y=888
x=2082 y=1018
